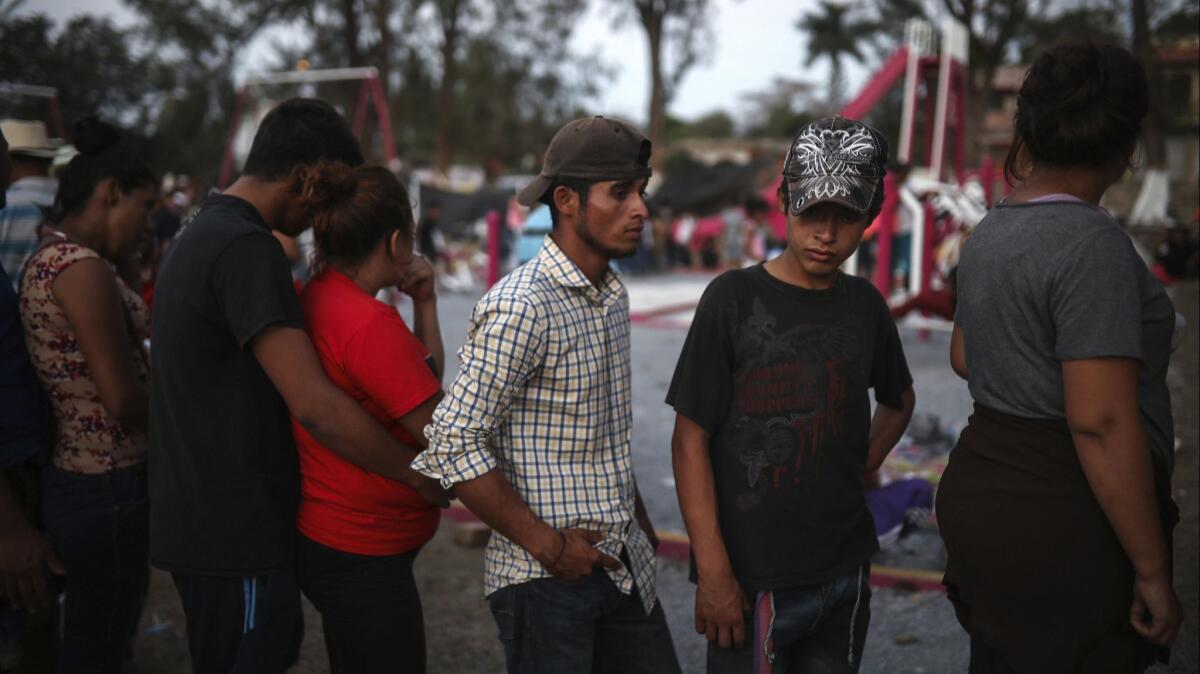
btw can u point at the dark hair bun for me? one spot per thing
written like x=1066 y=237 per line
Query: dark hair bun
x=93 y=136
x=102 y=155
x=351 y=209
x=1080 y=105
x=326 y=185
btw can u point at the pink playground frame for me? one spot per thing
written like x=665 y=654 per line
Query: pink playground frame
x=370 y=92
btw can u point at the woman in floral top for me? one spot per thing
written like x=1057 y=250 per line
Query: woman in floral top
x=85 y=330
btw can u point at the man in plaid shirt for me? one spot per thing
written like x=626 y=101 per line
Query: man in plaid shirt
x=533 y=435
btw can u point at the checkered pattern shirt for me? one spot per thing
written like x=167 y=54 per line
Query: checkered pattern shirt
x=543 y=394
x=19 y=221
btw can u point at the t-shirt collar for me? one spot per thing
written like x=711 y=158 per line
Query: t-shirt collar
x=245 y=208
x=800 y=292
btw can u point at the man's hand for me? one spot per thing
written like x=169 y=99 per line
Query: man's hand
x=576 y=558
x=1155 y=613
x=26 y=563
x=417 y=280
x=431 y=490
x=721 y=610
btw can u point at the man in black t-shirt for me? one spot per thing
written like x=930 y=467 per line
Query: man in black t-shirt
x=230 y=360
x=774 y=430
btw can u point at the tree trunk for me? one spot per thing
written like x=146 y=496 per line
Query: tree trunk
x=443 y=146
x=656 y=119
x=383 y=52
x=350 y=31
x=1143 y=50
x=835 y=84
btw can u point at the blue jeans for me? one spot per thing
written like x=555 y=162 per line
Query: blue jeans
x=99 y=526
x=812 y=629
x=549 y=626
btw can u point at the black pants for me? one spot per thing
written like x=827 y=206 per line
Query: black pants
x=250 y=625
x=370 y=608
x=99 y=526
x=985 y=659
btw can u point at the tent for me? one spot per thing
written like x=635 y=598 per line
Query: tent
x=701 y=189
x=460 y=210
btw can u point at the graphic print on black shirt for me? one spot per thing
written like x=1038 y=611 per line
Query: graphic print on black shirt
x=779 y=377
x=789 y=397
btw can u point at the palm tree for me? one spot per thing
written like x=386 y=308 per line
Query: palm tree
x=833 y=33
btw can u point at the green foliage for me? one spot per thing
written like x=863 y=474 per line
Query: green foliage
x=781 y=110
x=1177 y=21
x=89 y=60
x=466 y=80
x=1098 y=24
x=716 y=124
x=502 y=70
x=835 y=33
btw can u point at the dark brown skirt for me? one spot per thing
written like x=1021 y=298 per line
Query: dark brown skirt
x=1034 y=569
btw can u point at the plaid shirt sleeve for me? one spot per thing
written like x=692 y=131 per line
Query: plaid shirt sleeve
x=505 y=345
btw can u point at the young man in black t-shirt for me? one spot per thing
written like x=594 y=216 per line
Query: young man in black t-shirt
x=774 y=430
x=230 y=359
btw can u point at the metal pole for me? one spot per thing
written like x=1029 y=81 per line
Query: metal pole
x=227 y=163
x=908 y=112
x=360 y=110
x=304 y=76
x=887 y=228
x=960 y=122
x=493 y=248
x=385 y=122
x=943 y=101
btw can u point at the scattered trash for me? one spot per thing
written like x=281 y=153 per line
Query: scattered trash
x=906 y=639
x=922 y=453
x=899 y=507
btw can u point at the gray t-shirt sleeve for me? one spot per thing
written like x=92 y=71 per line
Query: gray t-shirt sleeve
x=1095 y=299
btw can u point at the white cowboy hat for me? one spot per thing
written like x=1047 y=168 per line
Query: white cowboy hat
x=27 y=138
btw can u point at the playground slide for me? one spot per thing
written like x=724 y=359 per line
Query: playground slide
x=891 y=72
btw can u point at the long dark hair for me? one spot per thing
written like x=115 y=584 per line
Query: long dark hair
x=1080 y=105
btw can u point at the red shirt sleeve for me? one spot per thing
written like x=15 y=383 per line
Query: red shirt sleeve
x=387 y=362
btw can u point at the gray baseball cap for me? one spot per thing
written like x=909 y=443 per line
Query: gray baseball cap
x=835 y=159
x=591 y=148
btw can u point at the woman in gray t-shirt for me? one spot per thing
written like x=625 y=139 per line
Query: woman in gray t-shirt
x=1055 y=507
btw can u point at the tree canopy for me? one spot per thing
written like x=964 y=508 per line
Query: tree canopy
x=466 y=80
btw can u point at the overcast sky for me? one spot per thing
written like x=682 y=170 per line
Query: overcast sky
x=756 y=42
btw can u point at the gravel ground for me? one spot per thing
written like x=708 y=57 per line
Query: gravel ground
x=911 y=631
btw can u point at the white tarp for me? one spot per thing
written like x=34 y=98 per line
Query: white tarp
x=1151 y=205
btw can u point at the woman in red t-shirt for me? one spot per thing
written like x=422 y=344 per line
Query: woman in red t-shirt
x=359 y=531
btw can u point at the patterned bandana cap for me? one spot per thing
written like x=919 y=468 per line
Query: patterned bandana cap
x=835 y=159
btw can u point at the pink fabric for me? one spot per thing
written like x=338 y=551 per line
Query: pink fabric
x=775 y=217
